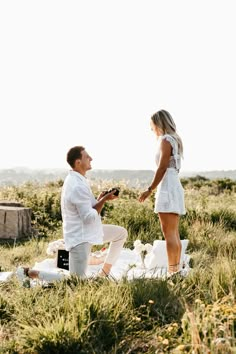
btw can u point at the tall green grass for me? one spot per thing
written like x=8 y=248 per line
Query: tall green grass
x=196 y=314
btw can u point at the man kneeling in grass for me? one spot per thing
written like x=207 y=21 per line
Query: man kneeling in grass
x=82 y=225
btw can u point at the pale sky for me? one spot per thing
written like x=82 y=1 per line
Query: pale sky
x=92 y=73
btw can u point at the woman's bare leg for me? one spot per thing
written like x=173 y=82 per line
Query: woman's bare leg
x=170 y=224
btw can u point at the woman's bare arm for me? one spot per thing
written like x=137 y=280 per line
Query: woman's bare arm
x=165 y=153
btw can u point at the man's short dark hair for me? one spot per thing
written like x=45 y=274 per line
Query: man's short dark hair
x=74 y=154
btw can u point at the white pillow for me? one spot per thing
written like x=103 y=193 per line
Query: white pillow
x=157 y=258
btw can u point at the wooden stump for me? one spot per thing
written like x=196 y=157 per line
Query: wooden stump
x=10 y=203
x=15 y=222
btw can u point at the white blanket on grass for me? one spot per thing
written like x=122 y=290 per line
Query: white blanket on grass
x=129 y=265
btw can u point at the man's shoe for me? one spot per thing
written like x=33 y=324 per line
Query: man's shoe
x=102 y=275
x=23 y=276
x=22 y=273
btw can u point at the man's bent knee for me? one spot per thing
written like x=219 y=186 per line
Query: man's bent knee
x=124 y=233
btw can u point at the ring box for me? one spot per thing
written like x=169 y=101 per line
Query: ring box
x=62 y=259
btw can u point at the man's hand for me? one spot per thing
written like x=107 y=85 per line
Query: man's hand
x=110 y=195
x=104 y=197
x=101 y=195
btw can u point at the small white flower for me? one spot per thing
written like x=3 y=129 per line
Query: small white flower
x=148 y=247
x=139 y=248
x=50 y=251
x=54 y=246
x=137 y=242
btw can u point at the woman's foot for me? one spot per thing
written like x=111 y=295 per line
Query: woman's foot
x=173 y=268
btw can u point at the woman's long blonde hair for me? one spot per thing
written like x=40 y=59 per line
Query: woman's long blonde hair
x=163 y=120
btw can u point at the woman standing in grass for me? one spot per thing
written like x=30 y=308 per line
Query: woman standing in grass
x=169 y=198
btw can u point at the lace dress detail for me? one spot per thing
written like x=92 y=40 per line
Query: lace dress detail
x=175 y=159
x=170 y=193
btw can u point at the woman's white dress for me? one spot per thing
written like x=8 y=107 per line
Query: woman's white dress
x=169 y=196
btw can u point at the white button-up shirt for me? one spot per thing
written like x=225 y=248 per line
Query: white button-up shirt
x=81 y=222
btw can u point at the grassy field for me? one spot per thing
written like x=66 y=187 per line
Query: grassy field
x=196 y=314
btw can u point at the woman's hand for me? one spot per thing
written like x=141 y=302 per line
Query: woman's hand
x=144 y=196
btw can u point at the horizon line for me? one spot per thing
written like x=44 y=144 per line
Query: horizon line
x=110 y=169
